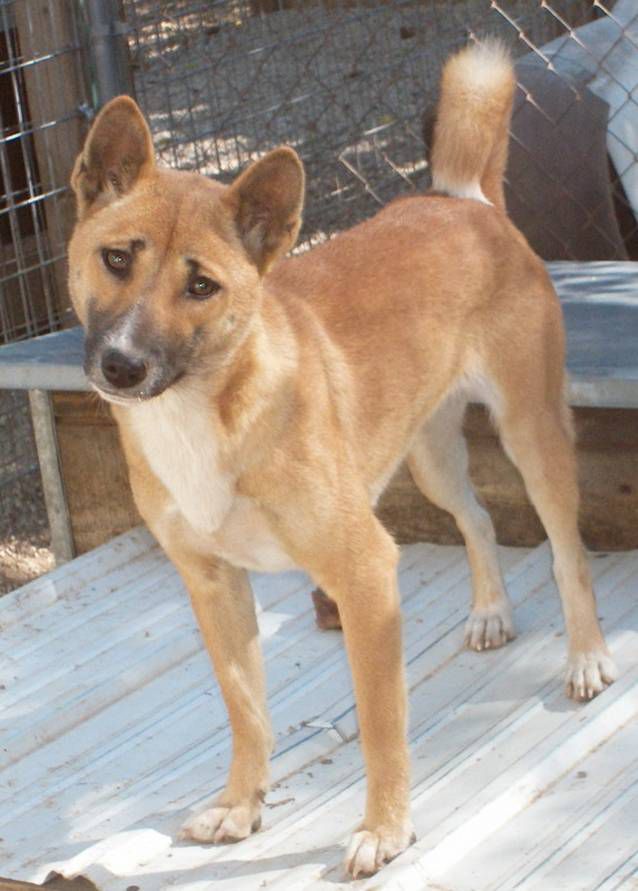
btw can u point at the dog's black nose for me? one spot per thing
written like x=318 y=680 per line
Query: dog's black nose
x=122 y=371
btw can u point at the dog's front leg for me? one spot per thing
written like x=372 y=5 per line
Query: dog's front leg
x=225 y=609
x=360 y=575
x=224 y=606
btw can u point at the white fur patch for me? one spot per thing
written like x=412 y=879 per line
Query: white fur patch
x=378 y=487
x=462 y=190
x=120 y=335
x=176 y=434
x=485 y=65
x=476 y=384
x=246 y=539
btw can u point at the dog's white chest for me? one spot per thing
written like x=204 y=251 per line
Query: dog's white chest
x=178 y=441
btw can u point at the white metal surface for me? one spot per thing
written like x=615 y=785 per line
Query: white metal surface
x=112 y=731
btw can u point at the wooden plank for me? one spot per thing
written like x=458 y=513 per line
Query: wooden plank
x=94 y=470
x=55 y=93
x=324 y=810
x=105 y=792
x=101 y=505
x=607 y=441
x=82 y=573
x=95 y=475
x=555 y=826
x=607 y=448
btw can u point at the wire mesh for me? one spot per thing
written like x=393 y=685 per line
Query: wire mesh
x=347 y=82
x=41 y=97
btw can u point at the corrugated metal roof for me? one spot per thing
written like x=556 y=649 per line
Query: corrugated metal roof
x=113 y=731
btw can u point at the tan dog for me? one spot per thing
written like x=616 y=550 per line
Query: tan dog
x=264 y=404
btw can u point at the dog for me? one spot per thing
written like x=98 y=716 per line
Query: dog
x=264 y=403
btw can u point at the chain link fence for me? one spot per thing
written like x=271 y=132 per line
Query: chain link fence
x=42 y=99
x=348 y=82
x=351 y=84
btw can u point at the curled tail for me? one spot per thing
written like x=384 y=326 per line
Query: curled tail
x=471 y=131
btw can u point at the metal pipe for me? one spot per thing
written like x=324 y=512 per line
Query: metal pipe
x=54 y=496
x=108 y=49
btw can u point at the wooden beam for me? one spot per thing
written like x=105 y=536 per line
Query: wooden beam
x=55 y=91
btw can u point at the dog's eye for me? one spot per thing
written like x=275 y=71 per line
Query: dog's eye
x=202 y=287
x=116 y=261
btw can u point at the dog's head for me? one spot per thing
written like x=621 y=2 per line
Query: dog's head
x=165 y=267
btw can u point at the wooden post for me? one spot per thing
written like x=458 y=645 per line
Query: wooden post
x=94 y=471
x=55 y=91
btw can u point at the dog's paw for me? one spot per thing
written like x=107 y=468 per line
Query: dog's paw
x=222 y=824
x=487 y=629
x=326 y=611
x=588 y=674
x=370 y=849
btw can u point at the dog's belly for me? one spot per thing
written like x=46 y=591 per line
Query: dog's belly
x=245 y=539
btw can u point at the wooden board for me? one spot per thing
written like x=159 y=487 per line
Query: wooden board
x=93 y=470
x=607 y=444
x=113 y=731
x=101 y=505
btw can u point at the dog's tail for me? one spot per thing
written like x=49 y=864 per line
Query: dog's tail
x=471 y=130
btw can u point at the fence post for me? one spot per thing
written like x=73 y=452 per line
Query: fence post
x=109 y=51
x=44 y=93
x=52 y=484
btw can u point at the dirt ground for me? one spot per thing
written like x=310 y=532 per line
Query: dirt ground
x=24 y=531
x=23 y=558
x=345 y=83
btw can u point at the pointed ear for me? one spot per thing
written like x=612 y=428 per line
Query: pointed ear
x=118 y=151
x=266 y=202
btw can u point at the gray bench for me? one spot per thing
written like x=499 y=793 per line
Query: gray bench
x=600 y=303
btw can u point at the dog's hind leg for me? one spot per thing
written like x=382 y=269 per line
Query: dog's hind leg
x=536 y=434
x=438 y=462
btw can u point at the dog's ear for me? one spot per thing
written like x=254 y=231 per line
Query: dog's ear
x=118 y=151
x=266 y=202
